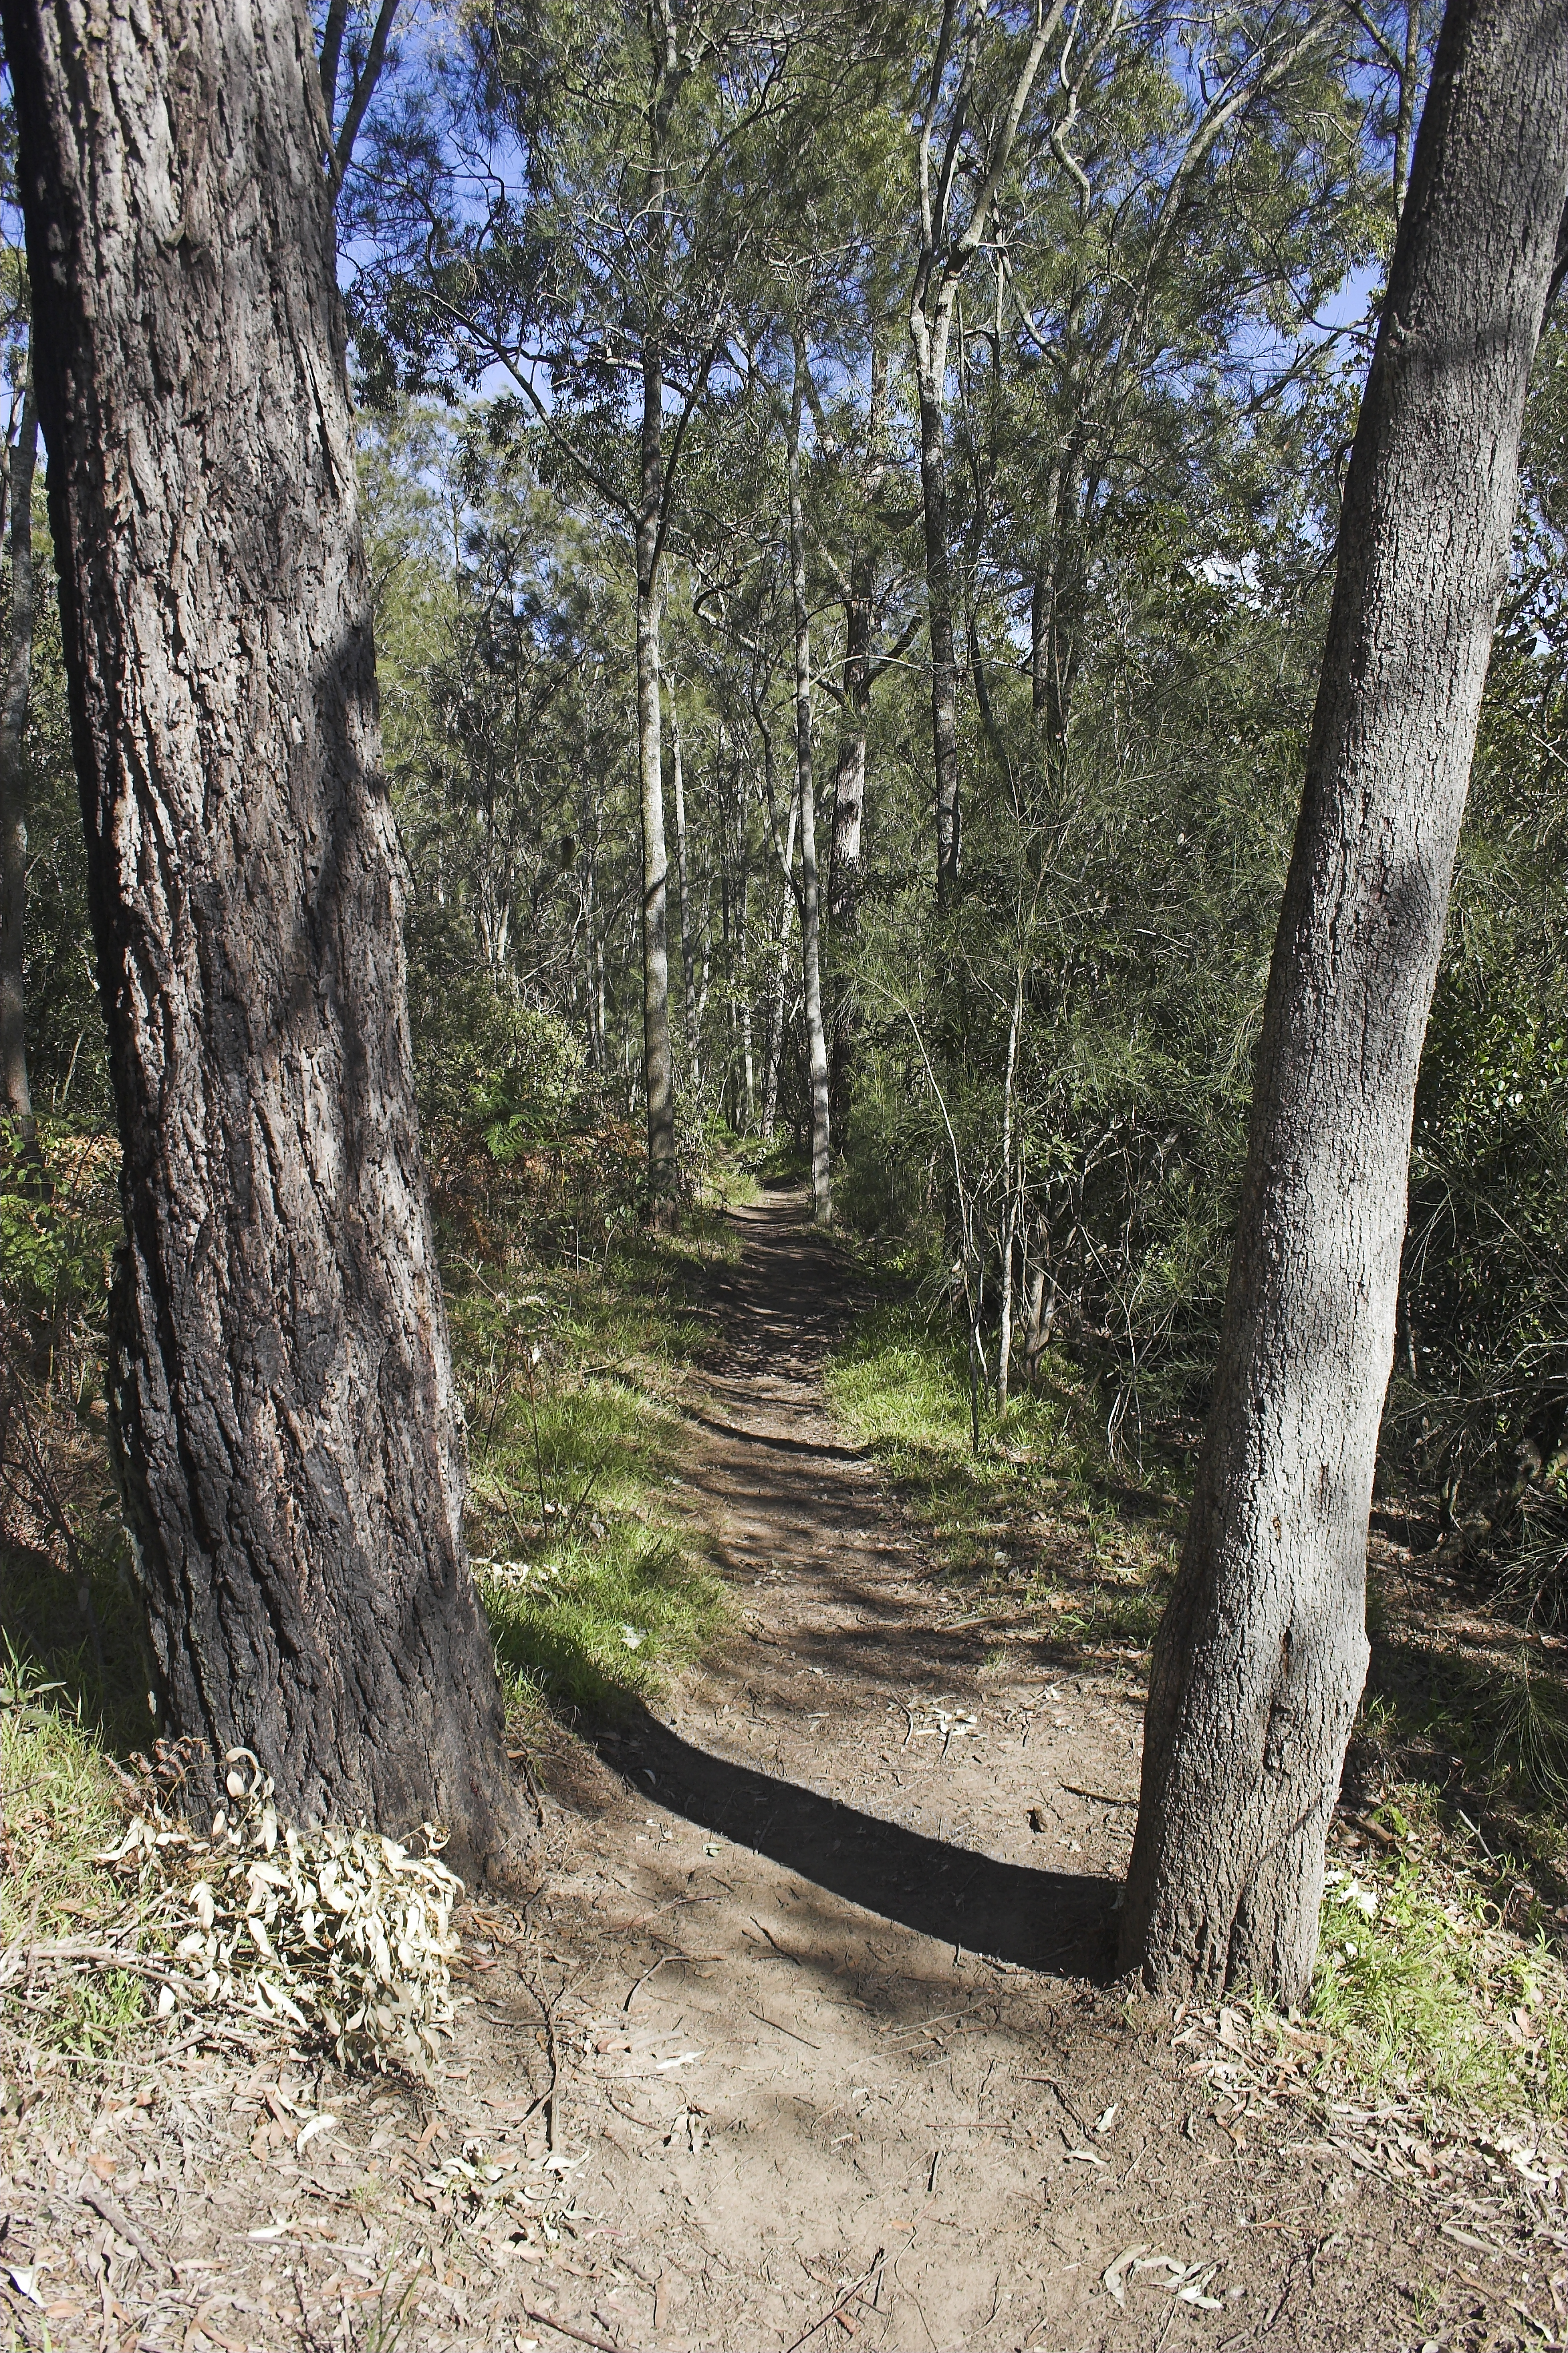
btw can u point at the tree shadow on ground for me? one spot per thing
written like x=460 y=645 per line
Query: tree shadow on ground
x=1045 y=1920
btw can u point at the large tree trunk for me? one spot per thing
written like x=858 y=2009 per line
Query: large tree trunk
x=806 y=793
x=1260 y=1660
x=16 y=1096
x=286 y=1429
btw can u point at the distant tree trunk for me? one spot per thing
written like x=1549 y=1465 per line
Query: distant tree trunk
x=743 y=979
x=687 y=939
x=778 y=1000
x=1013 y=1189
x=1260 y=1662
x=938 y=615
x=849 y=815
x=285 y=1426
x=658 y=1078
x=806 y=792
x=16 y=1096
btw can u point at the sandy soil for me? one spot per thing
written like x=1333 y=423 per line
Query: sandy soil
x=808 y=2035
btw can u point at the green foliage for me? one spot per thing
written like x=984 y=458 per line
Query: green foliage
x=1419 y=1984
x=59 y=1221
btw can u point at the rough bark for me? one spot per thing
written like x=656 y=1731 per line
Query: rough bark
x=1259 y=1663
x=16 y=1096
x=286 y=1430
x=805 y=798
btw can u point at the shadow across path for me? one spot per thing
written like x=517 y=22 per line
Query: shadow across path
x=1045 y=1920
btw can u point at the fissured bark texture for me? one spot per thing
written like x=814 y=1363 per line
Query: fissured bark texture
x=286 y=1427
x=1260 y=1660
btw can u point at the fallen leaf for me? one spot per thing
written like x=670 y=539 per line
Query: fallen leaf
x=1112 y=2277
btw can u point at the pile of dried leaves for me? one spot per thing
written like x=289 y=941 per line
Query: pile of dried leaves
x=342 y=1933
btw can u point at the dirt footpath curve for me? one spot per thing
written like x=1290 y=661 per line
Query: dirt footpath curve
x=878 y=1995
x=807 y=2039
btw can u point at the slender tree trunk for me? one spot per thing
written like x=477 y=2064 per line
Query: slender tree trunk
x=1409 y=83
x=1013 y=1183
x=283 y=1415
x=1260 y=1662
x=806 y=795
x=658 y=1078
x=16 y=1096
x=939 y=617
x=843 y=866
x=688 y=941
x=778 y=1000
x=658 y=1064
x=743 y=972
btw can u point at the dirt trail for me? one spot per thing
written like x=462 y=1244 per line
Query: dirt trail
x=806 y=2038
x=848 y=2007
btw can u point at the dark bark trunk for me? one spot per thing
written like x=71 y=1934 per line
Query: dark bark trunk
x=285 y=1425
x=1259 y=1663
x=16 y=1096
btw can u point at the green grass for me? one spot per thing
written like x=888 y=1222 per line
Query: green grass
x=1424 y=1986
x=1035 y=1530
x=570 y=1377
x=61 y=1810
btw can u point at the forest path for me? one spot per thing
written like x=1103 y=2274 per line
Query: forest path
x=841 y=2012
x=804 y=2037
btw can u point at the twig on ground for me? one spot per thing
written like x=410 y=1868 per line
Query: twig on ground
x=847 y=2298
x=104 y=2207
x=565 y=2328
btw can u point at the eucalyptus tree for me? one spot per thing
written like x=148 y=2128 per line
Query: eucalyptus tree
x=283 y=1407
x=805 y=806
x=1260 y=1660
x=596 y=242
x=854 y=537
x=970 y=105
